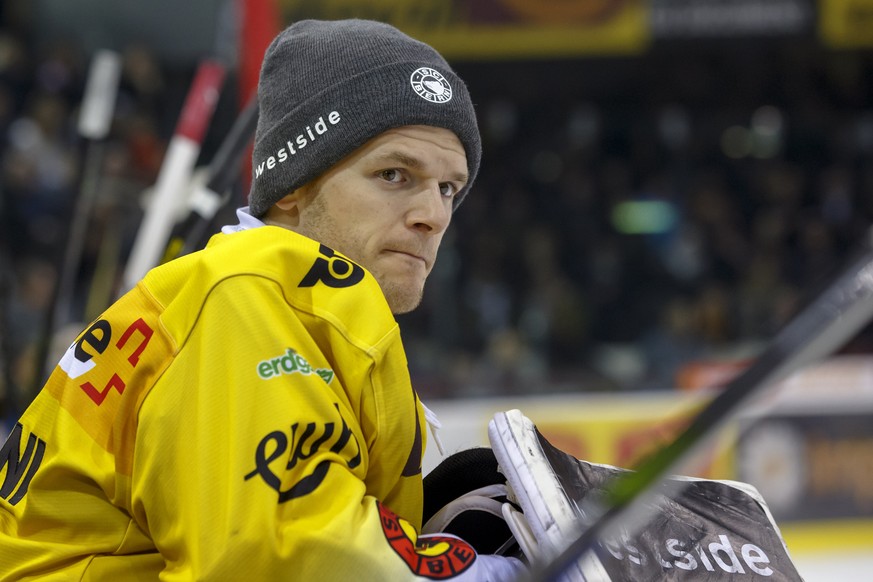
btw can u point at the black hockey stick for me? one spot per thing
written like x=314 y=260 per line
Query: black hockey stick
x=832 y=318
x=209 y=198
x=94 y=124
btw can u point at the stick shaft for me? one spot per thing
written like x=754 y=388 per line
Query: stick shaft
x=175 y=173
x=95 y=121
x=215 y=193
x=830 y=320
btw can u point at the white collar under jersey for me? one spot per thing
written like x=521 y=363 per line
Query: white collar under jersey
x=247 y=221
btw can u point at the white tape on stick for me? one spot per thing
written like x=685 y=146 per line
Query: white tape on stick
x=98 y=104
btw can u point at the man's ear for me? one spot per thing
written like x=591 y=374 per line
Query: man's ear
x=289 y=201
x=286 y=211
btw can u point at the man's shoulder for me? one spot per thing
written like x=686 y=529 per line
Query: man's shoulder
x=311 y=277
x=289 y=258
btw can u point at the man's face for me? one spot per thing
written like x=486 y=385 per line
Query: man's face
x=387 y=205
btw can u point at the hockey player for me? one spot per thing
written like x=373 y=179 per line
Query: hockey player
x=245 y=412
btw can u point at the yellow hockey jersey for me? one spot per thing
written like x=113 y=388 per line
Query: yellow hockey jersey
x=244 y=413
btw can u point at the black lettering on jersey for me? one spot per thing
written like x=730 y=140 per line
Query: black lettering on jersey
x=302 y=445
x=20 y=468
x=97 y=339
x=344 y=437
x=98 y=342
x=334 y=271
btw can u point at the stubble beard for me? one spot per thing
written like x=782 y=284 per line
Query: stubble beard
x=401 y=299
x=322 y=227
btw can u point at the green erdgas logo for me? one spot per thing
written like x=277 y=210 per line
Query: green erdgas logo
x=334 y=271
x=291 y=363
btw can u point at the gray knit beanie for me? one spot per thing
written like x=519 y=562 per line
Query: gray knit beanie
x=328 y=87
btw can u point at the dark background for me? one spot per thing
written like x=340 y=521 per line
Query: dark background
x=740 y=161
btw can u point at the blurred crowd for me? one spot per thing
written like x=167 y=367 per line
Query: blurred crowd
x=632 y=215
x=636 y=216
x=46 y=168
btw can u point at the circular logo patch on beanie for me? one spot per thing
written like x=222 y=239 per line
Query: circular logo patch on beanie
x=431 y=85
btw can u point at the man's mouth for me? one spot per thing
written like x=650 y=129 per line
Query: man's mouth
x=411 y=255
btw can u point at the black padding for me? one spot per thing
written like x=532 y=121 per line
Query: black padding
x=457 y=474
x=461 y=473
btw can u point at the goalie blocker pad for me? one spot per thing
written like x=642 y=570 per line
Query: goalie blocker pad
x=714 y=531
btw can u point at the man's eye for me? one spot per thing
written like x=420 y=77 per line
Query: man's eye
x=447 y=189
x=390 y=175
